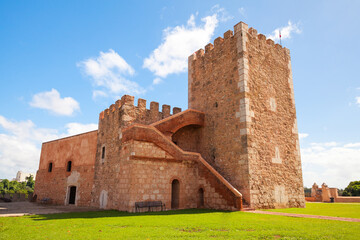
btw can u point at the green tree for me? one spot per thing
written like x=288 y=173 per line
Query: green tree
x=5 y=183
x=2 y=189
x=14 y=186
x=30 y=182
x=11 y=187
x=307 y=192
x=353 y=189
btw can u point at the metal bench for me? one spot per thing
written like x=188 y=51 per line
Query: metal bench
x=149 y=205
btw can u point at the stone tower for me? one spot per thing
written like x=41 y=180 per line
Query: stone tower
x=243 y=84
x=113 y=173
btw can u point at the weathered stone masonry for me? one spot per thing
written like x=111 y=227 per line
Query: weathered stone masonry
x=237 y=143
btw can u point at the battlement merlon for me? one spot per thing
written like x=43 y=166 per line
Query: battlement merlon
x=127 y=100
x=239 y=28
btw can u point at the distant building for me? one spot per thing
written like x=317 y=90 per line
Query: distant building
x=21 y=176
x=326 y=194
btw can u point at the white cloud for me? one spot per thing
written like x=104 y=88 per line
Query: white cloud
x=19 y=147
x=351 y=145
x=324 y=144
x=157 y=81
x=358 y=101
x=242 y=11
x=303 y=135
x=98 y=93
x=286 y=32
x=221 y=12
x=27 y=130
x=178 y=43
x=109 y=71
x=52 y=102
x=333 y=163
x=20 y=144
x=77 y=128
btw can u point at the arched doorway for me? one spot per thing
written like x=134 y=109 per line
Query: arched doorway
x=201 y=198
x=72 y=195
x=175 y=194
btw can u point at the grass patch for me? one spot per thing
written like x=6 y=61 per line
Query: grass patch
x=182 y=224
x=349 y=210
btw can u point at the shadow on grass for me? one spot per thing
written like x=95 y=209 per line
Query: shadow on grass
x=114 y=213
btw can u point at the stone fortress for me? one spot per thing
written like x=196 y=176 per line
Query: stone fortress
x=236 y=146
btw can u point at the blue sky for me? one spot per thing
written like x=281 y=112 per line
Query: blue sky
x=61 y=63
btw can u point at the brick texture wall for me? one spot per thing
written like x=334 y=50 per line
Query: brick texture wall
x=80 y=150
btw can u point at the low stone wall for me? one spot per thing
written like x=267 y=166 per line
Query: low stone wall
x=17 y=197
x=310 y=199
x=348 y=199
x=337 y=199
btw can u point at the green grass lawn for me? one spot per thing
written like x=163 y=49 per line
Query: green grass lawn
x=349 y=210
x=182 y=224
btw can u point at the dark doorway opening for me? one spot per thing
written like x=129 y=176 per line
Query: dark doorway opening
x=175 y=194
x=201 y=198
x=72 y=195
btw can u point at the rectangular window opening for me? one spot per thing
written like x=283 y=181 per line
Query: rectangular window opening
x=68 y=166
x=103 y=153
x=50 y=167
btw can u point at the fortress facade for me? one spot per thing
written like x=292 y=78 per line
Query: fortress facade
x=237 y=144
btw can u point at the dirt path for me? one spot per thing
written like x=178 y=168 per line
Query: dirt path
x=307 y=216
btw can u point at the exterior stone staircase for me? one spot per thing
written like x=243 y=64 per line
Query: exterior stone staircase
x=150 y=133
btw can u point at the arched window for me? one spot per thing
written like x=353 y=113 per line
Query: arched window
x=68 y=167
x=50 y=167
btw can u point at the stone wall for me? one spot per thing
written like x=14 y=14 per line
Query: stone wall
x=324 y=194
x=80 y=150
x=155 y=161
x=348 y=199
x=273 y=145
x=243 y=83
x=17 y=197
x=151 y=172
x=113 y=172
x=188 y=138
x=213 y=88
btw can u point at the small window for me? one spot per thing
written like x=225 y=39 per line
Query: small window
x=68 y=168
x=50 y=167
x=103 y=153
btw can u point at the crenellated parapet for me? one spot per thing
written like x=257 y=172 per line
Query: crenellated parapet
x=128 y=112
x=221 y=42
